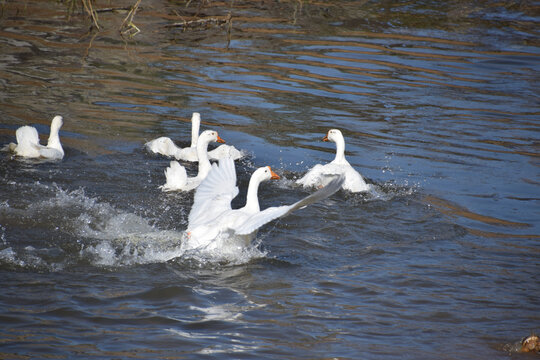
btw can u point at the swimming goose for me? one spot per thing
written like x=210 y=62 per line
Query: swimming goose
x=211 y=216
x=320 y=175
x=28 y=145
x=165 y=146
x=176 y=175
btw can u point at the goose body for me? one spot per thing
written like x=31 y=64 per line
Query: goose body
x=165 y=146
x=320 y=175
x=212 y=219
x=28 y=145
x=175 y=174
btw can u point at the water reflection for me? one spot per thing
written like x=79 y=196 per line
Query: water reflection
x=389 y=86
x=437 y=101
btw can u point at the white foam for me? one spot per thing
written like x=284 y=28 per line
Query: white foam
x=8 y=255
x=105 y=235
x=223 y=249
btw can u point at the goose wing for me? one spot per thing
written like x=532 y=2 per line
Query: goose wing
x=259 y=219
x=214 y=194
x=224 y=151
x=27 y=134
x=176 y=177
x=27 y=142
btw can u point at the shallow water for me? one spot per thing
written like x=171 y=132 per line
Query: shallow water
x=439 y=105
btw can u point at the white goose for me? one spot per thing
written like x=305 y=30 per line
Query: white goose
x=212 y=218
x=320 y=175
x=28 y=145
x=177 y=179
x=165 y=146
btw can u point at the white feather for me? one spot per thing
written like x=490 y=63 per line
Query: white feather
x=176 y=177
x=263 y=217
x=212 y=217
x=165 y=146
x=28 y=145
x=175 y=174
x=215 y=193
x=321 y=175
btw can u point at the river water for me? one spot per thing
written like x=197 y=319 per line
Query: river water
x=439 y=105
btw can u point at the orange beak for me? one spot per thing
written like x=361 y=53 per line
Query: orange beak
x=220 y=140
x=274 y=175
x=325 y=138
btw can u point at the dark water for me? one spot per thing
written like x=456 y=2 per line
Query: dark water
x=439 y=105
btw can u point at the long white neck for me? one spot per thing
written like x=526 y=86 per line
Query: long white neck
x=195 y=125
x=202 y=154
x=54 y=138
x=252 y=199
x=340 y=150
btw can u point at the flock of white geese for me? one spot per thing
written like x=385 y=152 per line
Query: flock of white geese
x=211 y=216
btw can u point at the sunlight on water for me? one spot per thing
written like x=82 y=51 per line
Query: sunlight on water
x=438 y=105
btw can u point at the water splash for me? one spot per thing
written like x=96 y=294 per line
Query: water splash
x=222 y=250
x=386 y=191
x=105 y=235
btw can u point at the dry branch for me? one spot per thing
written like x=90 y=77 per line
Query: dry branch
x=91 y=12
x=128 y=27
x=213 y=21
x=114 y=9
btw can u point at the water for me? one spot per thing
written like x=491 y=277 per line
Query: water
x=439 y=105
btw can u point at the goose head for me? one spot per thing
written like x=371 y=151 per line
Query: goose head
x=258 y=176
x=210 y=135
x=336 y=136
x=54 y=138
x=202 y=150
x=333 y=135
x=56 y=123
x=266 y=173
x=263 y=174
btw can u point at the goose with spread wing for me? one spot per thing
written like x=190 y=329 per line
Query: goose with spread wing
x=28 y=145
x=320 y=175
x=212 y=217
x=175 y=174
x=165 y=146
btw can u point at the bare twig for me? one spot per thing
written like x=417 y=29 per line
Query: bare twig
x=87 y=52
x=128 y=27
x=91 y=12
x=114 y=9
x=201 y=22
x=297 y=10
x=229 y=29
x=71 y=9
x=3 y=6
x=201 y=4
